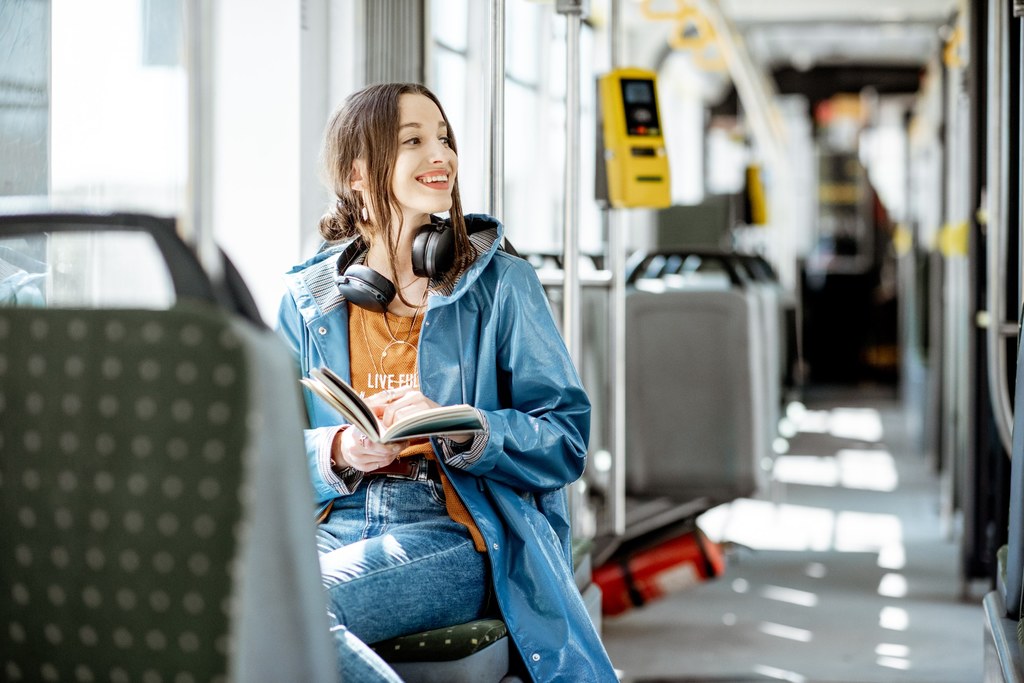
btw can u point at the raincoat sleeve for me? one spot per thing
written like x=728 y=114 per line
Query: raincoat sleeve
x=538 y=414
x=328 y=483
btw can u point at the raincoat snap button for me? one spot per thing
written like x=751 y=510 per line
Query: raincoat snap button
x=322 y=330
x=494 y=545
x=535 y=657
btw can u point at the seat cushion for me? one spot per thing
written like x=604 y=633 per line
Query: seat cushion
x=442 y=644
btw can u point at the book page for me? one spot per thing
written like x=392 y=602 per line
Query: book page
x=443 y=420
x=340 y=396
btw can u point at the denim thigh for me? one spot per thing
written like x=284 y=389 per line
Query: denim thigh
x=393 y=562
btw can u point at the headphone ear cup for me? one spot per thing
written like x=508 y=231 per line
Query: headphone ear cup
x=366 y=288
x=433 y=250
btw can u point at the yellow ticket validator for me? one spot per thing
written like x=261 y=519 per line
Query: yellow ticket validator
x=636 y=163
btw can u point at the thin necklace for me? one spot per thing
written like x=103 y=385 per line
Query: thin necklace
x=408 y=333
x=412 y=324
x=395 y=341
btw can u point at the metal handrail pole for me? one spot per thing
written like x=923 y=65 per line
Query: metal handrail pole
x=616 y=220
x=996 y=183
x=196 y=221
x=617 y=264
x=496 y=104
x=573 y=11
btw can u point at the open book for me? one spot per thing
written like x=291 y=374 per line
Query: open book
x=444 y=420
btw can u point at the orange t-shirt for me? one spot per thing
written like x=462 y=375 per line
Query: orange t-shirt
x=382 y=355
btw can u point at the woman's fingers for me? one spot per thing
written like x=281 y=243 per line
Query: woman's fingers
x=402 y=405
x=364 y=454
x=381 y=399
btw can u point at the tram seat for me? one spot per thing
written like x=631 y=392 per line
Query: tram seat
x=770 y=315
x=695 y=404
x=783 y=304
x=756 y=278
x=153 y=522
x=477 y=651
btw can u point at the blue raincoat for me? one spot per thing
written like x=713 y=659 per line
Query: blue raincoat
x=491 y=343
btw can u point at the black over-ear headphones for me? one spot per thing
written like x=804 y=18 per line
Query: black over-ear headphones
x=433 y=253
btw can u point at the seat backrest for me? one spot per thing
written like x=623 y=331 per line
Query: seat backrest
x=154 y=504
x=694 y=403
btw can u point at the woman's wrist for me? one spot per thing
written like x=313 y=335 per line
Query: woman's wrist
x=338 y=461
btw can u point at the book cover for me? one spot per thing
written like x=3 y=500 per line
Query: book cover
x=443 y=420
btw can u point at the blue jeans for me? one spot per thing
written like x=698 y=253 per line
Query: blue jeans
x=393 y=562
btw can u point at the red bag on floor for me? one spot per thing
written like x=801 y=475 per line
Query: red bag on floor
x=639 y=577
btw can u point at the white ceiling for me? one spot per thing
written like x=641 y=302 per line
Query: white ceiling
x=806 y=33
x=796 y=11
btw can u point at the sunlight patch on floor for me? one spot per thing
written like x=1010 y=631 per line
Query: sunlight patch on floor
x=862 y=424
x=800 y=635
x=892 y=556
x=790 y=595
x=765 y=525
x=780 y=674
x=894 y=618
x=869 y=470
x=893 y=586
x=859 y=532
x=893 y=656
x=893 y=663
x=851 y=457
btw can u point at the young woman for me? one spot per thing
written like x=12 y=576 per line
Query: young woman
x=428 y=534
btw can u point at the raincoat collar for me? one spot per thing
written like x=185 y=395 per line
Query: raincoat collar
x=312 y=282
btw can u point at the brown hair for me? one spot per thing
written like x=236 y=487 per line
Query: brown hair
x=366 y=127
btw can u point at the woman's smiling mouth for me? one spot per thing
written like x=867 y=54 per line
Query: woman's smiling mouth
x=435 y=180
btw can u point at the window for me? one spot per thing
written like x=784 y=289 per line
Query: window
x=534 y=116
x=119 y=124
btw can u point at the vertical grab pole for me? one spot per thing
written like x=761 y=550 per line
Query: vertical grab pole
x=617 y=321
x=196 y=223
x=617 y=265
x=496 y=102
x=573 y=9
x=997 y=191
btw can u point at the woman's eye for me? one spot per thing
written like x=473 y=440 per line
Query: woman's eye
x=446 y=141
x=412 y=141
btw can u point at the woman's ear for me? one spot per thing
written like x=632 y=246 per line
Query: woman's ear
x=357 y=178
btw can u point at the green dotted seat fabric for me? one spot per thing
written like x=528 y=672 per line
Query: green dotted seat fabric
x=121 y=473
x=442 y=644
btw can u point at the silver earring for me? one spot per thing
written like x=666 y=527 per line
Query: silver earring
x=365 y=214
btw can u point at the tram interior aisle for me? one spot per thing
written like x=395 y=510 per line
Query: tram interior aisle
x=843 y=572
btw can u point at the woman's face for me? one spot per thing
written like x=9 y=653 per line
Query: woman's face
x=426 y=165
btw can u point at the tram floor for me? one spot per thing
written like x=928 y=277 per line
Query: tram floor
x=845 y=571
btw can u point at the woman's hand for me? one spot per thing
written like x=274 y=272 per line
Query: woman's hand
x=353 y=448
x=395 y=404
x=356 y=450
